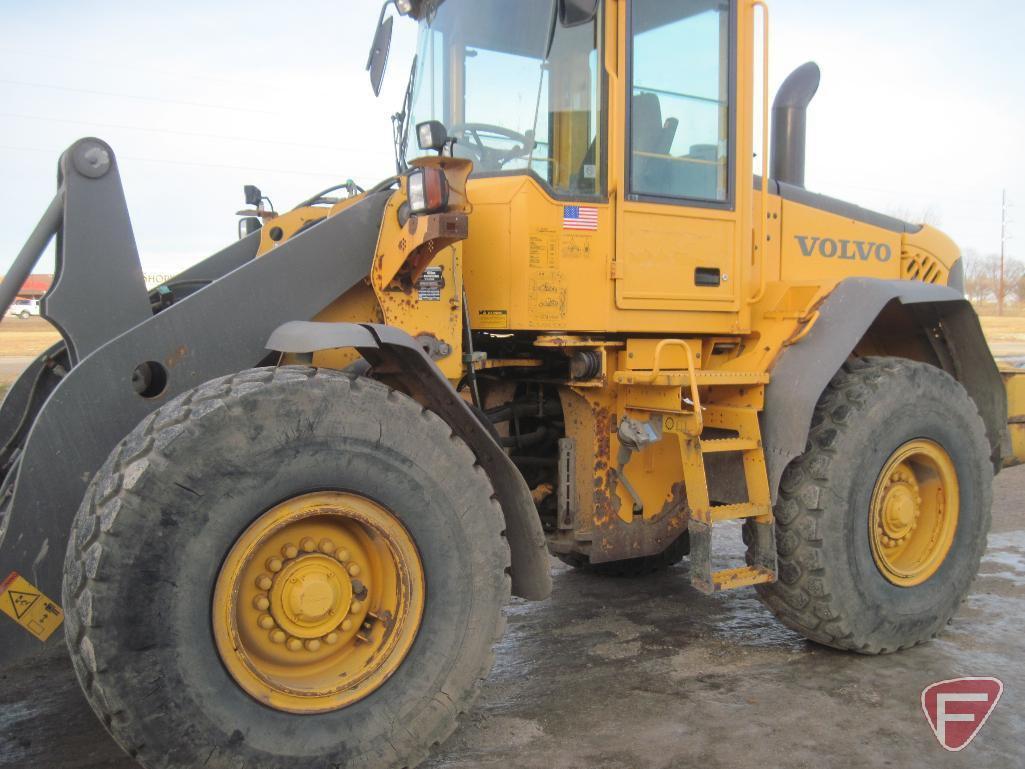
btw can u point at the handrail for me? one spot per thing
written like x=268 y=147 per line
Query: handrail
x=765 y=150
x=695 y=395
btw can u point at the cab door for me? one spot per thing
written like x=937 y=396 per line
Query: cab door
x=681 y=240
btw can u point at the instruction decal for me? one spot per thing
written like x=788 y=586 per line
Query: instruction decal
x=25 y=604
x=430 y=284
x=544 y=249
x=547 y=299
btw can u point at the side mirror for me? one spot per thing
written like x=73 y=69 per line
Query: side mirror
x=573 y=13
x=248 y=226
x=378 y=61
x=432 y=136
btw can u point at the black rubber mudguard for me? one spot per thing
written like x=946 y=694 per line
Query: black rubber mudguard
x=220 y=329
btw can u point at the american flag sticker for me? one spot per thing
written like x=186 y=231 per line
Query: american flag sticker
x=583 y=218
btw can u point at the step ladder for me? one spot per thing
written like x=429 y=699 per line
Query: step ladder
x=689 y=426
x=704 y=515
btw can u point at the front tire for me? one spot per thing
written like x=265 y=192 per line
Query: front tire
x=882 y=523
x=179 y=498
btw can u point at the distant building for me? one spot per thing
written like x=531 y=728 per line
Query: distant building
x=35 y=286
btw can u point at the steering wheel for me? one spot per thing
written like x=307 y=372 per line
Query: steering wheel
x=489 y=158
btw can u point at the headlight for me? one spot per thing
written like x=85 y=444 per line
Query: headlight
x=405 y=7
x=428 y=191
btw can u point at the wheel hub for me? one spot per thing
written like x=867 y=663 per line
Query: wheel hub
x=310 y=595
x=914 y=513
x=902 y=507
x=318 y=602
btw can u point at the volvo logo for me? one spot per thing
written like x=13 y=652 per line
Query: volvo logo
x=852 y=250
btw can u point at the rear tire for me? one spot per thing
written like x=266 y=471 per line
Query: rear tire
x=634 y=567
x=24 y=315
x=831 y=588
x=169 y=504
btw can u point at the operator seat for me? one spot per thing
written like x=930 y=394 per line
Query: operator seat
x=652 y=137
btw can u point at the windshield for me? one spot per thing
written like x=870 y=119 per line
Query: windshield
x=516 y=89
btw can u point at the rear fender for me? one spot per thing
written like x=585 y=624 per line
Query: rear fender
x=392 y=351
x=802 y=372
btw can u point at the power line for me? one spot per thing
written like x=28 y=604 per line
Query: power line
x=250 y=169
x=196 y=134
x=120 y=67
x=135 y=96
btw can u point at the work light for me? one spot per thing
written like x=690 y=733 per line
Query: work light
x=428 y=191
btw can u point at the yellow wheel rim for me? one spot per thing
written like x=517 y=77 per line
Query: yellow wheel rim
x=318 y=602
x=915 y=509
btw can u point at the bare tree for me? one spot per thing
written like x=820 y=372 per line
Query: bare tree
x=978 y=284
x=982 y=279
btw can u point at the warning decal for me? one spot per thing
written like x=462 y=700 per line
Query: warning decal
x=27 y=606
x=492 y=319
x=430 y=284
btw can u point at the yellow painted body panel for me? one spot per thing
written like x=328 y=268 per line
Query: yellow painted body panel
x=1014 y=383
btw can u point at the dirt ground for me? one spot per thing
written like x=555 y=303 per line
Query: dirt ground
x=648 y=674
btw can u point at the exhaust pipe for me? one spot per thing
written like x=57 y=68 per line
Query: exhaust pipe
x=790 y=123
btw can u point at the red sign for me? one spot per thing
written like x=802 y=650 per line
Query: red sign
x=957 y=710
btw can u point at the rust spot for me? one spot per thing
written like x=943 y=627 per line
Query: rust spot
x=676 y=503
x=177 y=357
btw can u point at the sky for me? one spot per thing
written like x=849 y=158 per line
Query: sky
x=921 y=112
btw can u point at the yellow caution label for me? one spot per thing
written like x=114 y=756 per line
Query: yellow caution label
x=26 y=605
x=492 y=319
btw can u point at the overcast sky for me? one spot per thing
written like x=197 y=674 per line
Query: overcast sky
x=920 y=113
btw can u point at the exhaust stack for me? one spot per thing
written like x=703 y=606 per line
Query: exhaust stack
x=790 y=123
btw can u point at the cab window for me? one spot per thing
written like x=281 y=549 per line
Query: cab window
x=680 y=99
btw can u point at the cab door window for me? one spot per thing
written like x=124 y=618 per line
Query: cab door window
x=680 y=100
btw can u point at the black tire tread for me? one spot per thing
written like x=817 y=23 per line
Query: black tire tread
x=804 y=598
x=95 y=531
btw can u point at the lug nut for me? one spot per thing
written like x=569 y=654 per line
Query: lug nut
x=355 y=607
x=266 y=621
x=264 y=582
x=278 y=636
x=294 y=644
x=346 y=625
x=274 y=564
x=312 y=645
x=342 y=555
x=354 y=570
x=327 y=546
x=331 y=638
x=308 y=545
x=261 y=603
x=290 y=551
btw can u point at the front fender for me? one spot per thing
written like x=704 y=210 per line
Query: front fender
x=802 y=372
x=388 y=348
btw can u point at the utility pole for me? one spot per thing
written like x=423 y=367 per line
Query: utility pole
x=1003 y=257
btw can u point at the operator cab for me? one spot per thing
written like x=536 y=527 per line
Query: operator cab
x=518 y=86
x=521 y=88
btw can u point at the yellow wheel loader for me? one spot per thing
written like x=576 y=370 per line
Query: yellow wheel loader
x=275 y=506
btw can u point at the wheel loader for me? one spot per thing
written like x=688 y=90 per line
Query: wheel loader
x=275 y=506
